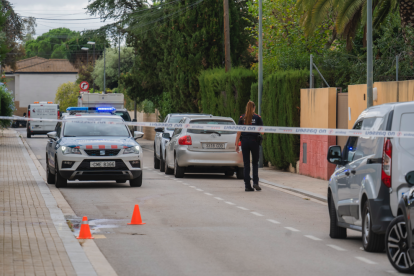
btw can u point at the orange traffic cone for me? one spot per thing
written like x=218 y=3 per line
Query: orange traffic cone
x=136 y=217
x=85 y=231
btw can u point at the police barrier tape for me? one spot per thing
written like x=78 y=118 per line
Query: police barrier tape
x=243 y=128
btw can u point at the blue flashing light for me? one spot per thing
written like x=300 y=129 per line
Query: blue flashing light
x=351 y=148
x=105 y=109
x=76 y=109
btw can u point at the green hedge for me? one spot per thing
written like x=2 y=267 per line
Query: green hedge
x=281 y=107
x=254 y=93
x=6 y=106
x=225 y=94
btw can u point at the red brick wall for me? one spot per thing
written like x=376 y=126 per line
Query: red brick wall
x=317 y=147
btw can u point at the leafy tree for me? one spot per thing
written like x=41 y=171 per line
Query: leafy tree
x=6 y=106
x=112 y=57
x=67 y=95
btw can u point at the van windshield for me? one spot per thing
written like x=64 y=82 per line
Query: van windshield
x=95 y=127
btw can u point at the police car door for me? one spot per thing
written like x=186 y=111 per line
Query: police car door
x=52 y=145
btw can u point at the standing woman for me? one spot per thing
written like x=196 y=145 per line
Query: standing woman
x=250 y=142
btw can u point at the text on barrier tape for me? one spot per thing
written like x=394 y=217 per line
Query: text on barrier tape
x=242 y=128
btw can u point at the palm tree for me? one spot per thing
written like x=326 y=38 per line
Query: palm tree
x=348 y=15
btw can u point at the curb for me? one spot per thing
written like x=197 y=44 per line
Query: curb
x=93 y=262
x=299 y=191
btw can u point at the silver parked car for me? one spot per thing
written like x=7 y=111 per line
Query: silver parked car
x=368 y=182
x=199 y=151
x=159 y=141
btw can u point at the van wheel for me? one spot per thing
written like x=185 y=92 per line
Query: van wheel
x=397 y=246
x=156 y=161
x=28 y=134
x=372 y=242
x=240 y=173
x=137 y=182
x=178 y=171
x=60 y=182
x=335 y=231
x=162 y=163
x=229 y=173
x=50 y=176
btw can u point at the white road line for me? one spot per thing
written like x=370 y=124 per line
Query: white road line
x=230 y=203
x=365 y=260
x=191 y=186
x=179 y=181
x=185 y=184
x=242 y=208
x=199 y=190
x=273 y=221
x=219 y=198
x=208 y=194
x=292 y=229
x=313 y=238
x=336 y=247
x=257 y=214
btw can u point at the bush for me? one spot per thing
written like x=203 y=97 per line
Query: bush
x=225 y=94
x=6 y=106
x=67 y=95
x=281 y=107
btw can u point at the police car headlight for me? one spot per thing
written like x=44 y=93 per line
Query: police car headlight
x=68 y=150
x=134 y=149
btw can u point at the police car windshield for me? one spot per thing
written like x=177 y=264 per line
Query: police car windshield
x=211 y=122
x=174 y=120
x=95 y=127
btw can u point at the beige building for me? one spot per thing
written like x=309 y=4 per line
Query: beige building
x=37 y=79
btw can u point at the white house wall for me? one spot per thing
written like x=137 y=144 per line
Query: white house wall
x=39 y=87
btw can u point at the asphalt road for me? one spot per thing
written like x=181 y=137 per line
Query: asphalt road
x=208 y=225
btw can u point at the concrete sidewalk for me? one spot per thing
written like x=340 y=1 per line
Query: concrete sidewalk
x=34 y=236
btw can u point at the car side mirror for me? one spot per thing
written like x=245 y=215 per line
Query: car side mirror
x=335 y=155
x=409 y=177
x=52 y=135
x=134 y=120
x=166 y=135
x=138 y=134
x=159 y=129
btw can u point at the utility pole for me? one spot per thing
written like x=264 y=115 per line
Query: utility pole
x=226 y=36
x=370 y=67
x=311 y=72
x=104 y=90
x=260 y=83
x=396 y=66
x=119 y=61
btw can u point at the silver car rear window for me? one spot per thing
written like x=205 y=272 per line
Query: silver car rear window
x=211 y=122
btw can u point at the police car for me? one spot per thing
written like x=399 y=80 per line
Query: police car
x=93 y=144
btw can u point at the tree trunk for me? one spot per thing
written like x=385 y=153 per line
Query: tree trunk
x=407 y=16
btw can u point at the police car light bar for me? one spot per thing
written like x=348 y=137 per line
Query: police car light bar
x=105 y=109
x=73 y=109
x=90 y=109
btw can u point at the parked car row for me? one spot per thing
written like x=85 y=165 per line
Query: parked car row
x=180 y=151
x=368 y=190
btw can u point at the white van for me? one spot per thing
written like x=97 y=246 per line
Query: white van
x=42 y=110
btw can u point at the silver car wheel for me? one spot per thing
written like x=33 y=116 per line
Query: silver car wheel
x=397 y=246
x=367 y=226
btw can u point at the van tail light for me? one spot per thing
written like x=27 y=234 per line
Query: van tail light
x=28 y=113
x=58 y=114
x=386 y=163
x=185 y=140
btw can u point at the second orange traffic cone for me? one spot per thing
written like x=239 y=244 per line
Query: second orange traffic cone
x=85 y=231
x=136 y=217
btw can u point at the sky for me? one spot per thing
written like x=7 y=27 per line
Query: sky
x=57 y=9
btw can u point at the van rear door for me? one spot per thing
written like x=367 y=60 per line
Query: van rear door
x=49 y=111
x=36 y=113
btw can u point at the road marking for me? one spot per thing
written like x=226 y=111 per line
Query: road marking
x=179 y=181
x=336 y=247
x=191 y=186
x=365 y=260
x=199 y=190
x=242 y=208
x=219 y=198
x=185 y=184
x=257 y=214
x=292 y=229
x=273 y=221
x=231 y=203
x=208 y=194
x=313 y=238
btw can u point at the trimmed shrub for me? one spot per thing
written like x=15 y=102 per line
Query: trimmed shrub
x=6 y=106
x=281 y=107
x=254 y=94
x=225 y=94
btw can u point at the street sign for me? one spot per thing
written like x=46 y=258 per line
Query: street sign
x=84 y=85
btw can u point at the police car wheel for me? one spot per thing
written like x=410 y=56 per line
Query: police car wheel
x=60 y=182
x=137 y=182
x=50 y=176
x=156 y=162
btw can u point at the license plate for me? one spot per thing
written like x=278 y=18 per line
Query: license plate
x=103 y=164
x=214 y=146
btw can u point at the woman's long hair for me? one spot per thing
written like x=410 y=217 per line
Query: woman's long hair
x=249 y=113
